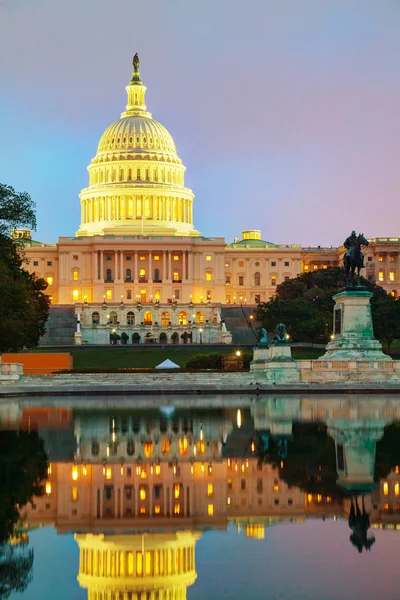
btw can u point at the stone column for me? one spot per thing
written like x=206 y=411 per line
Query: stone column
x=136 y=274
x=169 y=266
x=115 y=265
x=150 y=277
x=190 y=265
x=96 y=266
x=101 y=265
x=164 y=266
x=184 y=271
x=121 y=265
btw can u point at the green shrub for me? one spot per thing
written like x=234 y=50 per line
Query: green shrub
x=205 y=361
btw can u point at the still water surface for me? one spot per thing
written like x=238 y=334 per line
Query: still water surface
x=287 y=497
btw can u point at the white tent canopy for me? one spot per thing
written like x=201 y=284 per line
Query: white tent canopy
x=167 y=364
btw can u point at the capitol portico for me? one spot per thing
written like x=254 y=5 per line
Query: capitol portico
x=137 y=243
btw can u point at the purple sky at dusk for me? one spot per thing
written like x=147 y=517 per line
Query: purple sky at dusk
x=285 y=113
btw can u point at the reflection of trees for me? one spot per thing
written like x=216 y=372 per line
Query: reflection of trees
x=388 y=451
x=310 y=463
x=23 y=466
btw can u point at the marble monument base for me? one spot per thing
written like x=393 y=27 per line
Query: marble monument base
x=276 y=363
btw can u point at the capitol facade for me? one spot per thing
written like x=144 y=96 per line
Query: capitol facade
x=138 y=267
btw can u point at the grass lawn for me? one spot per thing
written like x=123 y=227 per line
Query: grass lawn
x=136 y=358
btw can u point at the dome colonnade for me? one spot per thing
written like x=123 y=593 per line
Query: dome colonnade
x=136 y=176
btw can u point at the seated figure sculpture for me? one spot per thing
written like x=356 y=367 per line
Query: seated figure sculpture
x=280 y=336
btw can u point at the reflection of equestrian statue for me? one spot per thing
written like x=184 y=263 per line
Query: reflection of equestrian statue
x=280 y=336
x=354 y=258
x=262 y=338
x=359 y=523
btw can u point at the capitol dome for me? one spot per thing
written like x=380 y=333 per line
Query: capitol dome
x=136 y=180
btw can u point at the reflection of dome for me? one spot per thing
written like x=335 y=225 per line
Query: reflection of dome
x=136 y=179
x=113 y=565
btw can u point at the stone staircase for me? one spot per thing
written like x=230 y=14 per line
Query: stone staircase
x=60 y=327
x=236 y=324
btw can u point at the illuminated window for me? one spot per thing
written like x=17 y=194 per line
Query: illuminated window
x=396 y=489
x=210 y=489
x=156 y=257
x=148 y=449
x=182 y=318
x=208 y=257
x=142 y=257
x=49 y=469
x=276 y=486
x=257 y=279
x=130 y=318
x=142 y=274
x=273 y=280
x=165 y=318
x=306 y=267
x=158 y=469
x=176 y=257
x=49 y=280
x=385 y=489
x=139 y=562
x=386 y=506
x=75 y=294
x=177 y=491
x=391 y=276
x=199 y=318
x=227 y=264
x=380 y=276
x=74 y=493
x=315 y=267
x=148 y=318
x=380 y=258
x=48 y=488
x=208 y=275
x=210 y=510
x=108 y=473
x=241 y=280
x=75 y=473
x=176 y=275
x=75 y=275
x=177 y=509
x=109 y=294
x=396 y=469
x=241 y=263
x=200 y=447
x=183 y=446
x=157 y=509
x=142 y=493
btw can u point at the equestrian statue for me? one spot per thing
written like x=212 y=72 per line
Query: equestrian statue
x=354 y=258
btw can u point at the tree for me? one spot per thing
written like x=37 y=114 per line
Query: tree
x=24 y=307
x=387 y=320
x=305 y=304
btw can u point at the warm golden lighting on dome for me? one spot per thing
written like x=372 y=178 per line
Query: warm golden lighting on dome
x=136 y=179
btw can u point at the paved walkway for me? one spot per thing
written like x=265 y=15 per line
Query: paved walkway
x=100 y=384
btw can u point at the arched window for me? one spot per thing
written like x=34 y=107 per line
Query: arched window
x=142 y=274
x=182 y=318
x=75 y=275
x=130 y=447
x=130 y=174
x=138 y=174
x=148 y=449
x=148 y=318
x=176 y=276
x=165 y=318
x=95 y=448
x=113 y=318
x=128 y=275
x=156 y=275
x=200 y=447
x=175 y=338
x=135 y=338
x=130 y=318
x=208 y=275
x=199 y=317
x=165 y=446
x=95 y=318
x=163 y=338
x=183 y=446
x=147 y=175
x=108 y=275
x=257 y=278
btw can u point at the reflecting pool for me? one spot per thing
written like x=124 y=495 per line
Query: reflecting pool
x=163 y=499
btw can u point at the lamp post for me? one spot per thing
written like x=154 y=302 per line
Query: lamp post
x=201 y=335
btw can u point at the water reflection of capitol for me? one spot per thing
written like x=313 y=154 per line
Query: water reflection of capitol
x=141 y=486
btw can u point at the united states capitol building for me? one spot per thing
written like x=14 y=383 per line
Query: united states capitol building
x=137 y=265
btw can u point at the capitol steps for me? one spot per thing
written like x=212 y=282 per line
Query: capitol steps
x=237 y=325
x=60 y=327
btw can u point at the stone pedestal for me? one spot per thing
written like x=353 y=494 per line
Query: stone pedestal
x=276 y=363
x=78 y=338
x=353 y=336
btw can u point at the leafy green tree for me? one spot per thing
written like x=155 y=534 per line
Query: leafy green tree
x=386 y=316
x=305 y=304
x=24 y=306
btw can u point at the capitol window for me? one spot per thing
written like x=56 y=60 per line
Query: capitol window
x=148 y=318
x=95 y=318
x=176 y=276
x=176 y=257
x=391 y=258
x=381 y=276
x=49 y=280
x=182 y=318
x=75 y=294
x=142 y=257
x=391 y=276
x=273 y=280
x=156 y=257
x=75 y=275
x=130 y=318
x=380 y=259
x=273 y=264
x=257 y=279
x=208 y=275
x=208 y=258
x=109 y=294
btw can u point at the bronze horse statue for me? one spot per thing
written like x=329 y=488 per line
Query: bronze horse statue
x=354 y=258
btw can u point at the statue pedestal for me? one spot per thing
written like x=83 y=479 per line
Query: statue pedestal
x=78 y=338
x=276 y=363
x=352 y=328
